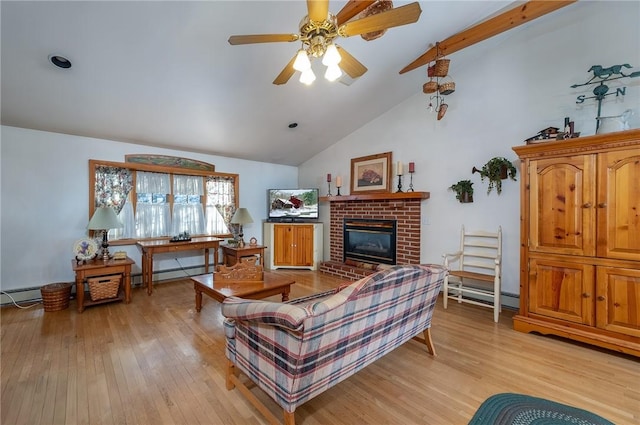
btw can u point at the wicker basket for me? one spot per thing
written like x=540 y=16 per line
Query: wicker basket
x=441 y=68
x=56 y=296
x=447 y=87
x=104 y=287
x=430 y=87
x=442 y=110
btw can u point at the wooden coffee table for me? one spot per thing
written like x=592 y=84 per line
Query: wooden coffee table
x=221 y=289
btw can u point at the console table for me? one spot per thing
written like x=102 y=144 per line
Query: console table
x=149 y=248
x=99 y=267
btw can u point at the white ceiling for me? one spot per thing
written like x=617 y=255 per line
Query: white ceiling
x=163 y=74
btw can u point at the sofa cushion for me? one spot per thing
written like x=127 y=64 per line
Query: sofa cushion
x=285 y=315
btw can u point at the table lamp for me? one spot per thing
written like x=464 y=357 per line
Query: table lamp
x=241 y=216
x=104 y=218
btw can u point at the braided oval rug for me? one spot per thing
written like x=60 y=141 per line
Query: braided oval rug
x=519 y=409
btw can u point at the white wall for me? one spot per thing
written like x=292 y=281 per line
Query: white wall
x=507 y=89
x=45 y=194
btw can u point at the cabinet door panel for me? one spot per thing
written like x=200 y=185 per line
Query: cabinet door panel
x=303 y=244
x=562 y=290
x=619 y=204
x=618 y=300
x=562 y=205
x=282 y=241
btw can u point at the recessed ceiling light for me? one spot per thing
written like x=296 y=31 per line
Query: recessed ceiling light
x=293 y=125
x=60 y=61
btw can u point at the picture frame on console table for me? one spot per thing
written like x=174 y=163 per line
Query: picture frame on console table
x=371 y=174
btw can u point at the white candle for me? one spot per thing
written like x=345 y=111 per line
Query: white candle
x=339 y=181
x=399 y=168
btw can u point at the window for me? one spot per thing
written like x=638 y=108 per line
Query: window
x=188 y=213
x=156 y=201
x=153 y=218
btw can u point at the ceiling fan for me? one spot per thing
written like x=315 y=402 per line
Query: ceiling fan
x=319 y=29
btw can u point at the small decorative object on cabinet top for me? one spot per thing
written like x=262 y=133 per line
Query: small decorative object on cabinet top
x=496 y=170
x=253 y=242
x=600 y=76
x=615 y=123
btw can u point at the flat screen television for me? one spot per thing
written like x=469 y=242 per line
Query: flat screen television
x=289 y=205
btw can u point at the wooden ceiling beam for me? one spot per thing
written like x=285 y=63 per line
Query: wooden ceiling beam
x=498 y=24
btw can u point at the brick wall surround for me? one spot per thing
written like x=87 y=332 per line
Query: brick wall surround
x=407 y=214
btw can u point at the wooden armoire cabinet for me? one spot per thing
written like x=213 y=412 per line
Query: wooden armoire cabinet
x=580 y=240
x=293 y=245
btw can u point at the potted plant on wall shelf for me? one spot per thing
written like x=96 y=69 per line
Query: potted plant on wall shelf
x=463 y=190
x=496 y=170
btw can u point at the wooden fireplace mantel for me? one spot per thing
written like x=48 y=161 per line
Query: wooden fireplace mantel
x=376 y=196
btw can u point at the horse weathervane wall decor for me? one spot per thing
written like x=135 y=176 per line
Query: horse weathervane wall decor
x=600 y=76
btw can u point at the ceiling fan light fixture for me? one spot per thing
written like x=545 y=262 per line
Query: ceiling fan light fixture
x=307 y=77
x=302 y=62
x=331 y=56
x=333 y=73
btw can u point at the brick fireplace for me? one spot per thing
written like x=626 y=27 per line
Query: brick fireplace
x=404 y=208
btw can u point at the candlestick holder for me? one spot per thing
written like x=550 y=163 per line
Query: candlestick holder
x=410 y=182
x=399 y=183
x=338 y=194
x=329 y=189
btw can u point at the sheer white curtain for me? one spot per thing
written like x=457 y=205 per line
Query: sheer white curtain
x=128 y=220
x=153 y=217
x=188 y=214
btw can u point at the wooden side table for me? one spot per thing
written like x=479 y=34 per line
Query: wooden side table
x=99 y=267
x=233 y=254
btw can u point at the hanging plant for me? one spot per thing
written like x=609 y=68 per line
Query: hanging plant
x=496 y=170
x=463 y=190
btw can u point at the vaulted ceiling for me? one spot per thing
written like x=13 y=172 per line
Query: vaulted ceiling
x=163 y=74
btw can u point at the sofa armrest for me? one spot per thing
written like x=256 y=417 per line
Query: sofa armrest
x=278 y=314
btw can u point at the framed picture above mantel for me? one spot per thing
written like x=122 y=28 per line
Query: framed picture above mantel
x=371 y=174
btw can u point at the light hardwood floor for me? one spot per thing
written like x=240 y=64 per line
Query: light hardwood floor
x=158 y=361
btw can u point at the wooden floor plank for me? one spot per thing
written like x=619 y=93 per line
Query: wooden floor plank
x=158 y=361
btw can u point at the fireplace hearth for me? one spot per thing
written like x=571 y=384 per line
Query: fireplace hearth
x=371 y=241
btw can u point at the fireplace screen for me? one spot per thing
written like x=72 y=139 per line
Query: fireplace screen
x=372 y=241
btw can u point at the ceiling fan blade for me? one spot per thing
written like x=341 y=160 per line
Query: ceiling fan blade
x=262 y=38
x=318 y=9
x=391 y=18
x=286 y=73
x=351 y=9
x=350 y=65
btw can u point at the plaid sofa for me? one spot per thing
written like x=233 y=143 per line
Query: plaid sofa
x=296 y=350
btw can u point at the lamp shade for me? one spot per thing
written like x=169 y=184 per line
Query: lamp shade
x=104 y=218
x=241 y=216
x=331 y=56
x=302 y=62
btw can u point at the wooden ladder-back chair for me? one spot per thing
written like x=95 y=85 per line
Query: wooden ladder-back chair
x=476 y=278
